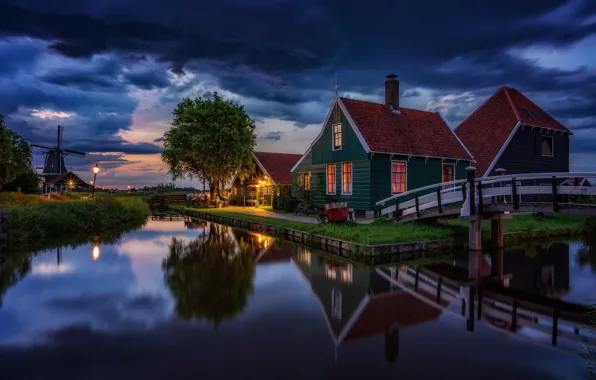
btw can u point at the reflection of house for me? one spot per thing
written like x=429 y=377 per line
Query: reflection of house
x=67 y=181
x=359 y=303
x=270 y=169
x=509 y=131
x=369 y=151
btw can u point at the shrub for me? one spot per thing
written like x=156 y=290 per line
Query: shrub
x=34 y=224
x=289 y=205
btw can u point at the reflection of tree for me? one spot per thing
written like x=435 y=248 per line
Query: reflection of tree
x=587 y=254
x=210 y=277
x=13 y=270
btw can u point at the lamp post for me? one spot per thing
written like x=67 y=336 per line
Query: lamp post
x=95 y=171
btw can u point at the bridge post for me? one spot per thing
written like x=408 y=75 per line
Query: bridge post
x=471 y=173
x=474 y=225
x=496 y=230
x=440 y=206
x=500 y=171
x=555 y=203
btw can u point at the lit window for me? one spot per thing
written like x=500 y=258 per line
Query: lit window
x=547 y=146
x=300 y=179
x=331 y=179
x=448 y=174
x=347 y=178
x=307 y=181
x=336 y=136
x=398 y=177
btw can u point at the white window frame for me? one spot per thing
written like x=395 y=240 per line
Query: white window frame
x=391 y=176
x=327 y=179
x=452 y=165
x=351 y=178
x=552 y=146
x=341 y=136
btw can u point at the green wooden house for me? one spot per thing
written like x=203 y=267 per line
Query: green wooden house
x=368 y=151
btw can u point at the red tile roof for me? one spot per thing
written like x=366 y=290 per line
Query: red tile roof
x=410 y=132
x=382 y=312
x=486 y=130
x=278 y=165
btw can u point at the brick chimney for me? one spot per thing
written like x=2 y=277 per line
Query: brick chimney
x=392 y=91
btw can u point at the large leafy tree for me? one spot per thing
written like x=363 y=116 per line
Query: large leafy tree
x=15 y=154
x=212 y=139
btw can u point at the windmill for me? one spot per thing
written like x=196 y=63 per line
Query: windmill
x=54 y=157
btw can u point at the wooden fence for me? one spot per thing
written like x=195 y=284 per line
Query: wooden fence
x=164 y=199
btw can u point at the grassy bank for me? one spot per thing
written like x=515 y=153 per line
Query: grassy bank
x=36 y=224
x=374 y=233
x=383 y=232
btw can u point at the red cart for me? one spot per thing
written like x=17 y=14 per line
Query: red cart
x=336 y=212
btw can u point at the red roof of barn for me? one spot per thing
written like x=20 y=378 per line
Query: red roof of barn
x=384 y=311
x=278 y=165
x=408 y=132
x=487 y=129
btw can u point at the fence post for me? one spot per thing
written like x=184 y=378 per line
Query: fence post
x=396 y=215
x=439 y=200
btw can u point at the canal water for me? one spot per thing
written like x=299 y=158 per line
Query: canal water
x=195 y=300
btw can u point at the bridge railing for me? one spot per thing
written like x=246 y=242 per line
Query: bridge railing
x=495 y=189
x=535 y=187
x=423 y=198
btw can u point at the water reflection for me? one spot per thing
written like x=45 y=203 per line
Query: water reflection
x=210 y=277
x=135 y=310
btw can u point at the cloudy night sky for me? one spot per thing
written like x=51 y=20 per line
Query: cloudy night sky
x=111 y=71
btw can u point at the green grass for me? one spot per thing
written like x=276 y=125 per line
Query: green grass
x=36 y=224
x=270 y=209
x=382 y=232
x=377 y=233
x=529 y=227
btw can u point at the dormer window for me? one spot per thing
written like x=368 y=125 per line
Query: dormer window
x=336 y=136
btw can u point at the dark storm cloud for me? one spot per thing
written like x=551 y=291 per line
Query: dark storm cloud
x=274 y=135
x=281 y=56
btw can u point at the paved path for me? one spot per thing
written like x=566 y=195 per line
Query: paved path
x=270 y=214
x=289 y=216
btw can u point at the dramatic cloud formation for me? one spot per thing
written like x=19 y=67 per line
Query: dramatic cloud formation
x=112 y=71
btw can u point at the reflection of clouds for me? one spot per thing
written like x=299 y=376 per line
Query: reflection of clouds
x=113 y=310
x=165 y=226
x=47 y=269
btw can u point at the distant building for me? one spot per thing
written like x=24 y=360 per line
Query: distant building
x=66 y=181
x=368 y=151
x=271 y=175
x=510 y=131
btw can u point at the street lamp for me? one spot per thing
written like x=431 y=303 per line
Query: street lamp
x=95 y=171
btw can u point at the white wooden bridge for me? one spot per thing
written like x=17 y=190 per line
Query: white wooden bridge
x=535 y=192
x=495 y=198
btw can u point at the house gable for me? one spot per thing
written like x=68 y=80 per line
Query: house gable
x=503 y=117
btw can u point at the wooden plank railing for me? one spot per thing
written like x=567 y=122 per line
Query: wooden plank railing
x=495 y=189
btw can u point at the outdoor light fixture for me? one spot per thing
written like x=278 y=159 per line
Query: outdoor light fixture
x=95 y=171
x=96 y=252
